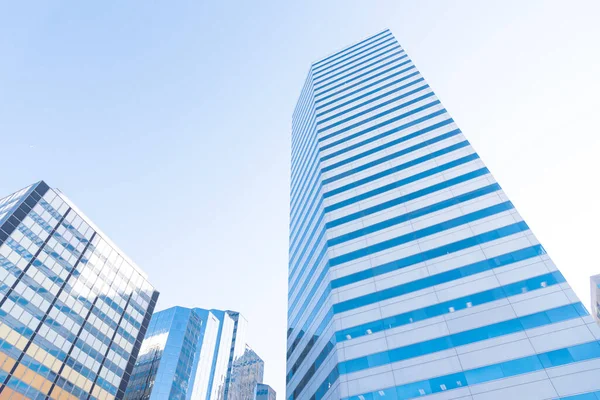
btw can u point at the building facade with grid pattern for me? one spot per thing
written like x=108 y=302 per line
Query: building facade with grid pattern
x=411 y=274
x=73 y=308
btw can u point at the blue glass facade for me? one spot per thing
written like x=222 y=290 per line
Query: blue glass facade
x=264 y=392
x=166 y=361
x=73 y=308
x=195 y=354
x=411 y=273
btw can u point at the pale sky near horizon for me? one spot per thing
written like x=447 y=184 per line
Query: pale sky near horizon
x=168 y=124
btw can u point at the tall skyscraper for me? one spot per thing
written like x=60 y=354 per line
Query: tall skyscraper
x=195 y=354
x=595 y=291
x=411 y=274
x=264 y=392
x=73 y=308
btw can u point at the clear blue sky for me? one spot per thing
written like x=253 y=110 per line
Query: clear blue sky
x=168 y=123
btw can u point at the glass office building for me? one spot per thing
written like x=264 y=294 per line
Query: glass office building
x=167 y=357
x=193 y=354
x=411 y=274
x=264 y=392
x=73 y=308
x=247 y=371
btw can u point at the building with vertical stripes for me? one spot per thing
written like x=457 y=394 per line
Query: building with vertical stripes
x=73 y=308
x=595 y=294
x=411 y=274
x=195 y=354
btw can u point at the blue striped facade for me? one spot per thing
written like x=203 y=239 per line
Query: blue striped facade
x=411 y=274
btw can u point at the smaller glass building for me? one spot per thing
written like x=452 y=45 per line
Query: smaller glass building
x=595 y=291
x=167 y=356
x=73 y=308
x=264 y=392
x=247 y=371
x=195 y=354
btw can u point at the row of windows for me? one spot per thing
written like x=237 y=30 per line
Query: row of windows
x=394 y=202
x=397 y=154
x=400 y=263
x=354 y=95
x=387 y=47
x=350 y=63
x=371 y=118
x=347 y=56
x=373 y=63
x=451 y=306
x=363 y=84
x=373 y=99
x=406 y=262
x=464 y=338
x=385 y=134
x=421 y=212
x=555 y=358
x=448 y=183
x=378 y=191
x=508 y=259
x=423 y=233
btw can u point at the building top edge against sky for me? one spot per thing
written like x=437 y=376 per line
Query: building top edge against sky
x=88 y=221
x=317 y=63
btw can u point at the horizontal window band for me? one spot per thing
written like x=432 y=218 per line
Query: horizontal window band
x=404 y=166
x=374 y=117
x=422 y=233
x=355 y=47
x=379 y=125
x=389 y=71
x=360 y=93
x=407 y=197
x=387 y=145
x=464 y=338
x=414 y=214
x=430 y=254
x=371 y=100
x=377 y=107
x=429 y=282
x=435 y=310
x=377 y=296
x=509 y=290
x=366 y=94
x=441 y=251
x=396 y=154
x=389 y=52
x=493 y=372
x=320 y=77
x=384 y=134
x=583 y=396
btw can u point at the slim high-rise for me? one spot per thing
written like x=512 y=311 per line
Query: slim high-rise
x=195 y=354
x=73 y=308
x=595 y=294
x=411 y=274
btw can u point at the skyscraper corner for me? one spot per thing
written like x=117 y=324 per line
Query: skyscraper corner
x=74 y=307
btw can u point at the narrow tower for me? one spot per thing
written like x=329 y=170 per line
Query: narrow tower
x=410 y=271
